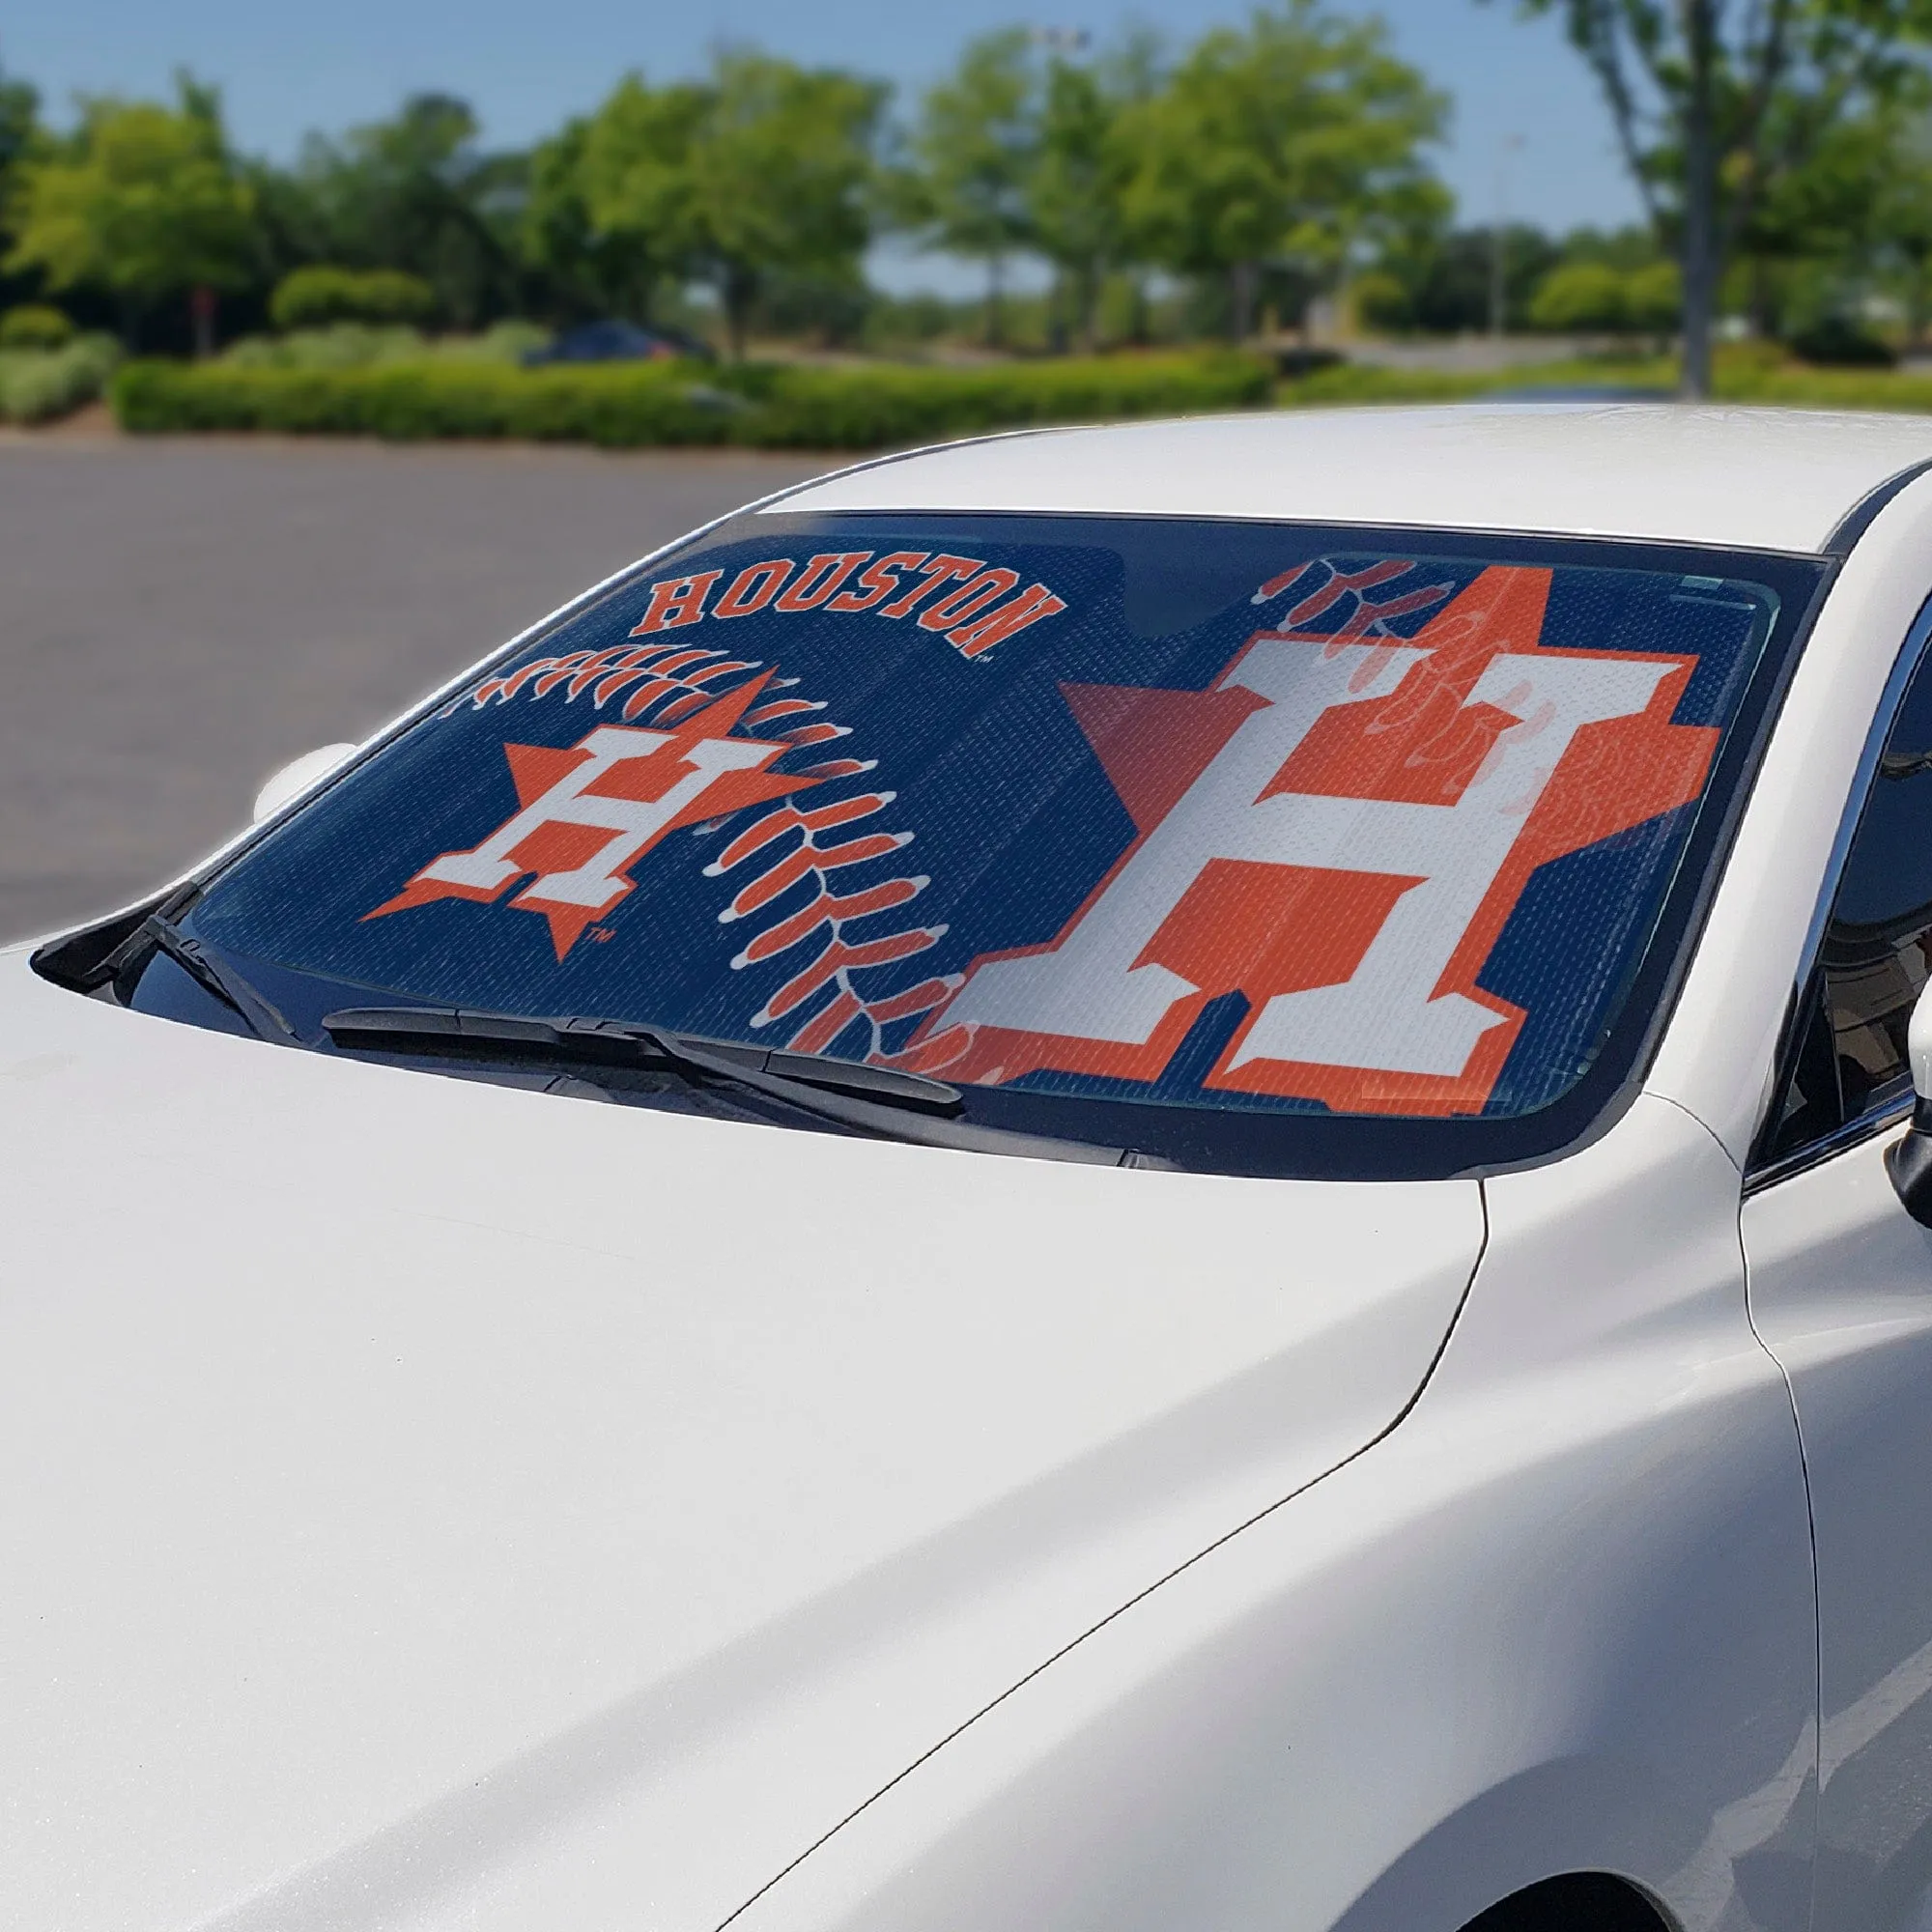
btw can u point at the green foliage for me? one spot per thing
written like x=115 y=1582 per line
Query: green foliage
x=763 y=169
x=775 y=406
x=1593 y=297
x=1296 y=138
x=779 y=176
x=143 y=199
x=315 y=297
x=1795 y=386
x=356 y=345
x=1448 y=276
x=1722 y=113
x=19 y=123
x=1351 y=382
x=1076 y=192
x=1584 y=296
x=597 y=259
x=34 y=325
x=415 y=193
x=616 y=198
x=1382 y=301
x=1653 y=298
x=865 y=409
x=973 y=150
x=21 y=136
x=342 y=345
x=1840 y=341
x=42 y=384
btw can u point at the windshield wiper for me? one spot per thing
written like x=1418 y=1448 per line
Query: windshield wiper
x=877 y=1100
x=214 y=977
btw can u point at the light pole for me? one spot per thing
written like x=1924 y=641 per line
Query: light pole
x=1506 y=146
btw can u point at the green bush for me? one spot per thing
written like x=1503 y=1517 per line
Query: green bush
x=1841 y=342
x=1381 y=301
x=1580 y=296
x=420 y=400
x=41 y=385
x=314 y=297
x=1653 y=298
x=362 y=345
x=341 y=345
x=1593 y=297
x=34 y=325
x=507 y=341
x=638 y=404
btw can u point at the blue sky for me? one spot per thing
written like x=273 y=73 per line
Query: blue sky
x=285 y=70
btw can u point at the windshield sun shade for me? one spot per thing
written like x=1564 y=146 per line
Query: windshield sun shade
x=1275 y=849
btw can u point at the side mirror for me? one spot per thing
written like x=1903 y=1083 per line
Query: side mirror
x=1909 y=1161
x=295 y=777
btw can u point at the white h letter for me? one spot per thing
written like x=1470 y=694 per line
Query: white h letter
x=1384 y=1015
x=632 y=823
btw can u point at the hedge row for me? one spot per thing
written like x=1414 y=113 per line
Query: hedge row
x=1748 y=373
x=771 y=406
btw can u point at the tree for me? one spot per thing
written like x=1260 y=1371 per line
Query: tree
x=141 y=199
x=1292 y=139
x=1713 y=105
x=765 y=168
x=20 y=136
x=1075 y=192
x=590 y=225
x=1900 y=216
x=974 y=148
x=19 y=123
x=417 y=194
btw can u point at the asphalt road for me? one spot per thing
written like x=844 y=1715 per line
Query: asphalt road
x=178 y=618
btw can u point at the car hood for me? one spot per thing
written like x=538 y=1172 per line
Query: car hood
x=433 y=1504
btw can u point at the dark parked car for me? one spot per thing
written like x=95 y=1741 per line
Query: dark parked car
x=618 y=342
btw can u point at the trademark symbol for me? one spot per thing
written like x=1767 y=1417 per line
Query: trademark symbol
x=601 y=933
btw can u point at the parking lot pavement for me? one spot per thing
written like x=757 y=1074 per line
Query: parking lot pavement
x=178 y=618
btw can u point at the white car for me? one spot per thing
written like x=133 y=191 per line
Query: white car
x=1122 y=1181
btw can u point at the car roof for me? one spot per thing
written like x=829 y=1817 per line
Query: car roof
x=1768 y=479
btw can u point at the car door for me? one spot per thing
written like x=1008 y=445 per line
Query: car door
x=1840 y=1286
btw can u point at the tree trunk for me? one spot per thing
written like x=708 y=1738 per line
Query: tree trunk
x=201 y=309
x=1763 y=321
x=740 y=287
x=1700 y=195
x=1087 y=300
x=996 y=320
x=1241 y=280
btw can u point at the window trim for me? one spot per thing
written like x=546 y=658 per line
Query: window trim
x=1914 y=652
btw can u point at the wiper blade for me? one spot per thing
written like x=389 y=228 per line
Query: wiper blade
x=879 y=1101
x=621 y=1040
x=214 y=977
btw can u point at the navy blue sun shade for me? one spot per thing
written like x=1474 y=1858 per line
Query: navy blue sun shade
x=1191 y=815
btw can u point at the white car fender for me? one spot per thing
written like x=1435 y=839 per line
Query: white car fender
x=1564 y=1606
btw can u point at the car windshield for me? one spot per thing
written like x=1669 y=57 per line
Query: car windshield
x=1272 y=848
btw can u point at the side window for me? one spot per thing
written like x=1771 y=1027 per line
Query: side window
x=1848 y=1056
